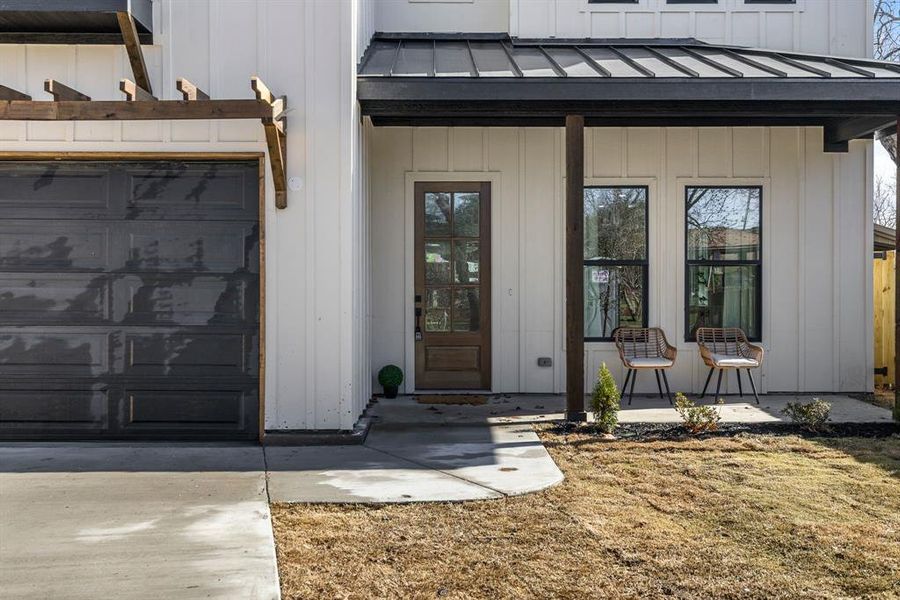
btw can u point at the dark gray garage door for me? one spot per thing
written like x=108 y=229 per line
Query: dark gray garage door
x=129 y=299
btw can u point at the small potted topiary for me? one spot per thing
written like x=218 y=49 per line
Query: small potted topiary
x=390 y=378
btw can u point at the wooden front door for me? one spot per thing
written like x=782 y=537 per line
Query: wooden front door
x=453 y=285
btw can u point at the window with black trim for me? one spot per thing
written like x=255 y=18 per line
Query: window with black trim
x=615 y=259
x=723 y=251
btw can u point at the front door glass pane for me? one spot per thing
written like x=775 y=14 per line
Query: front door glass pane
x=437 y=262
x=437 y=214
x=466 y=261
x=437 y=309
x=466 y=310
x=466 y=210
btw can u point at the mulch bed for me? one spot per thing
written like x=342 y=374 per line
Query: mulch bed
x=669 y=431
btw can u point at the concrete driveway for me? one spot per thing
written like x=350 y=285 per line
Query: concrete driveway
x=136 y=521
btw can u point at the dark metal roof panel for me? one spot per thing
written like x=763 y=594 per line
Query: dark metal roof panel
x=415 y=59
x=491 y=60
x=453 y=59
x=533 y=62
x=499 y=56
x=574 y=63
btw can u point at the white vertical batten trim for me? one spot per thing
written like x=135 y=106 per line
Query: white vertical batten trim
x=868 y=245
x=801 y=260
x=309 y=26
x=215 y=88
x=836 y=272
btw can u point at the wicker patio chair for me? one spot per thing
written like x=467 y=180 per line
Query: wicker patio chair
x=728 y=348
x=645 y=349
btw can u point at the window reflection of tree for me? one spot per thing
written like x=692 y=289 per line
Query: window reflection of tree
x=454 y=218
x=615 y=230
x=723 y=226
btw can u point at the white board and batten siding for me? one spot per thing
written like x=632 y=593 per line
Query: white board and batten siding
x=817 y=299
x=317 y=364
x=841 y=27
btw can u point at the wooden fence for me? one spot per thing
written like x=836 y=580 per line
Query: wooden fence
x=884 y=316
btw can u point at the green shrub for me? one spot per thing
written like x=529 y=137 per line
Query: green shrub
x=697 y=419
x=390 y=376
x=812 y=416
x=605 y=401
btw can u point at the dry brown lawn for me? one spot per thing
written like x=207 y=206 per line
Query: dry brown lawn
x=746 y=517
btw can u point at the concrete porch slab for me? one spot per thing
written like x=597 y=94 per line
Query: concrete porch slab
x=416 y=465
x=501 y=409
x=138 y=521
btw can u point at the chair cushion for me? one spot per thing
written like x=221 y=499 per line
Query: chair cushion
x=729 y=360
x=649 y=363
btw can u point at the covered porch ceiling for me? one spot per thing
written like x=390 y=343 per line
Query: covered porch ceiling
x=492 y=79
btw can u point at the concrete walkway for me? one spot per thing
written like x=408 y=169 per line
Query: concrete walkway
x=138 y=521
x=415 y=464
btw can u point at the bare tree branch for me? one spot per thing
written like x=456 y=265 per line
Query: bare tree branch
x=887 y=47
x=884 y=209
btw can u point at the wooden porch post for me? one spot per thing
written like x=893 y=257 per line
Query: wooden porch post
x=897 y=289
x=575 y=268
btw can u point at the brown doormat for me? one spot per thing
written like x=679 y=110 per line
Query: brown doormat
x=473 y=399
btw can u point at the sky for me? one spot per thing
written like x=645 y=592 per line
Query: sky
x=883 y=164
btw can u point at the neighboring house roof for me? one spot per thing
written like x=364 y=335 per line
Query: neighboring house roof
x=459 y=79
x=885 y=238
x=724 y=239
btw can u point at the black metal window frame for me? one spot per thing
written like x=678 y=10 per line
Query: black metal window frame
x=644 y=264
x=758 y=262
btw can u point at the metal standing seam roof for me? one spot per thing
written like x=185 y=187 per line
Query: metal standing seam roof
x=495 y=80
x=499 y=56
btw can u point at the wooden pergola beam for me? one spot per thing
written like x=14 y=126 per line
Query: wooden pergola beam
x=62 y=92
x=275 y=138
x=133 y=48
x=262 y=90
x=134 y=92
x=575 y=268
x=189 y=91
x=140 y=105
x=7 y=93
x=123 y=110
